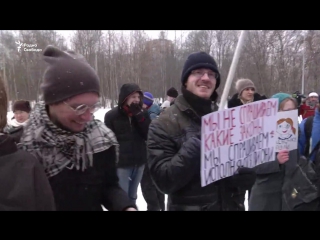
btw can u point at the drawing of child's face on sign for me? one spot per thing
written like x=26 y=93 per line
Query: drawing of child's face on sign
x=285 y=128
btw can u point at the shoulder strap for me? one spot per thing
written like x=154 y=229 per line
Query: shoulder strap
x=308 y=131
x=315 y=149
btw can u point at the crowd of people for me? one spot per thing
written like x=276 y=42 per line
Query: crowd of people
x=54 y=156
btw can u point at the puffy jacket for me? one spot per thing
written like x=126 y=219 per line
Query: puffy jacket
x=176 y=173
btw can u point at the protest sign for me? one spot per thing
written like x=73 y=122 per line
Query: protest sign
x=243 y=136
x=287 y=130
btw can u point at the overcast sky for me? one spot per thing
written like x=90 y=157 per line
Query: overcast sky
x=151 y=33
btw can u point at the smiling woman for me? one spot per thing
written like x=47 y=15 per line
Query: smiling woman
x=69 y=143
x=82 y=108
x=75 y=113
x=246 y=93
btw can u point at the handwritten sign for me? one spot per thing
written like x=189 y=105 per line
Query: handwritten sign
x=243 y=136
x=287 y=130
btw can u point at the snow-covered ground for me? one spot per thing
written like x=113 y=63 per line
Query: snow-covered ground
x=142 y=205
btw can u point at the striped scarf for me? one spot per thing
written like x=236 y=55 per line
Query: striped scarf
x=57 y=148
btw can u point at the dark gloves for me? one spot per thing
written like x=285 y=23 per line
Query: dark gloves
x=192 y=148
x=243 y=178
x=136 y=111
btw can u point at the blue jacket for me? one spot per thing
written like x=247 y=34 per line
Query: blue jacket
x=315 y=134
x=154 y=111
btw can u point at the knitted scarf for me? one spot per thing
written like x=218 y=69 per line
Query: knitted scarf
x=57 y=148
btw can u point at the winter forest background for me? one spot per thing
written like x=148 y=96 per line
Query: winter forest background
x=273 y=59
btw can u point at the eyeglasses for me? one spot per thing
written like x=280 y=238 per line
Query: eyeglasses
x=199 y=74
x=83 y=108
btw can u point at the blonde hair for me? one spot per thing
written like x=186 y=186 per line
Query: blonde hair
x=3 y=105
x=286 y=100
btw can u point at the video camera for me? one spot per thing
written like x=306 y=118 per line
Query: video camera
x=298 y=96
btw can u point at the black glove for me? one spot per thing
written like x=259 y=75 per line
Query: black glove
x=136 y=111
x=243 y=178
x=192 y=148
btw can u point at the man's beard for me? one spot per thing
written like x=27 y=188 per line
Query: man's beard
x=312 y=103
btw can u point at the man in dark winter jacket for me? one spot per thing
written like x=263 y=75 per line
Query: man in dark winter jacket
x=24 y=185
x=78 y=153
x=174 y=145
x=130 y=123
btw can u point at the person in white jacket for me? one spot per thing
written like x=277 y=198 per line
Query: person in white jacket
x=21 y=110
x=172 y=94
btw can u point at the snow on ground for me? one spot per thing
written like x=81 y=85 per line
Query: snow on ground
x=141 y=203
x=9 y=115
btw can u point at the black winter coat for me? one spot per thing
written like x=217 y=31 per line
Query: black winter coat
x=76 y=190
x=236 y=102
x=176 y=173
x=131 y=134
x=24 y=184
x=273 y=191
x=16 y=133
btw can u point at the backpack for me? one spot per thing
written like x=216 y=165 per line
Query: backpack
x=300 y=193
x=308 y=131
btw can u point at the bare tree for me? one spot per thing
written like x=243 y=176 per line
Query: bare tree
x=273 y=59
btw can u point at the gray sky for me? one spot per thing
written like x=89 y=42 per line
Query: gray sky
x=151 y=33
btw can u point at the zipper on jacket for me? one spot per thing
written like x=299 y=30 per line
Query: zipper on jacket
x=130 y=123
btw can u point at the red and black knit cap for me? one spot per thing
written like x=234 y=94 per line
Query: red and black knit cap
x=67 y=75
x=21 y=105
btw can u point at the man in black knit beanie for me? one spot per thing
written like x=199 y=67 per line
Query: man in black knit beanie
x=174 y=145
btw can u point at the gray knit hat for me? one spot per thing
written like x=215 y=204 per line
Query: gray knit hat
x=242 y=84
x=68 y=74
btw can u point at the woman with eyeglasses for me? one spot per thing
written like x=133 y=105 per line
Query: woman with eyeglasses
x=79 y=153
x=246 y=93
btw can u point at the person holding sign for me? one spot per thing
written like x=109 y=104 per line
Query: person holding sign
x=174 y=145
x=272 y=190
